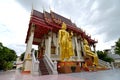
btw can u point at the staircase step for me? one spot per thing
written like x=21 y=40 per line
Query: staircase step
x=43 y=68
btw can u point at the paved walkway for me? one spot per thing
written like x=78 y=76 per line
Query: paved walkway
x=99 y=75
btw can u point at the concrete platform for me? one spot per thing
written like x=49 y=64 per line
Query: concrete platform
x=99 y=75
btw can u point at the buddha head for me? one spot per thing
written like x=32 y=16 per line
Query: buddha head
x=64 y=27
x=85 y=42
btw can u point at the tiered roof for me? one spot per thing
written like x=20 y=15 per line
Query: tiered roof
x=52 y=21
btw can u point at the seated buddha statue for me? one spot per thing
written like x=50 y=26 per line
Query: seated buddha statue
x=90 y=53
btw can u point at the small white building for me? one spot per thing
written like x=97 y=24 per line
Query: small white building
x=116 y=57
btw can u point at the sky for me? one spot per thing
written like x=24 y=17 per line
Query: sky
x=98 y=18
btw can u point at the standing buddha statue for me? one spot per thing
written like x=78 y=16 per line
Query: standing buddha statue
x=64 y=40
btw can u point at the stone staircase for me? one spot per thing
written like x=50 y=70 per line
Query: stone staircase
x=43 y=68
x=102 y=65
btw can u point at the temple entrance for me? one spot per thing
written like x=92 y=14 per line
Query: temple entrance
x=41 y=53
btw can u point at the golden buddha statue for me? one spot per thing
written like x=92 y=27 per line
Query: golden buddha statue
x=65 y=43
x=90 y=53
x=71 y=51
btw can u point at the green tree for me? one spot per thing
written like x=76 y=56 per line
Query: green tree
x=103 y=56
x=117 y=49
x=22 y=56
x=7 y=56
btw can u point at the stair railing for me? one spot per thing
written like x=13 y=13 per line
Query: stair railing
x=52 y=65
x=104 y=63
x=35 y=64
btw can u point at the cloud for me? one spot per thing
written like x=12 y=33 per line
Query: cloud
x=36 y=4
x=108 y=20
x=13 y=24
x=19 y=48
x=100 y=18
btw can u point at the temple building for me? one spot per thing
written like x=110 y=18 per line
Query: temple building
x=44 y=31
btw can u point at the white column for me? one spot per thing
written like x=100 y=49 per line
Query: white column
x=94 y=47
x=29 y=45
x=27 y=57
x=79 y=49
x=57 y=46
x=55 y=40
x=82 y=44
x=46 y=46
x=78 y=53
x=49 y=45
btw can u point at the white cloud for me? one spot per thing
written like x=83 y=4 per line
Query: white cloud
x=14 y=21
x=100 y=18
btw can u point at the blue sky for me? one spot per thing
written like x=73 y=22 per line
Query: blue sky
x=99 y=18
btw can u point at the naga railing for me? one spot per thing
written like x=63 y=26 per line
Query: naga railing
x=52 y=65
x=35 y=64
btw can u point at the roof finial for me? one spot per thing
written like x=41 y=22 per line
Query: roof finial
x=50 y=8
x=32 y=9
x=70 y=18
x=32 y=6
x=43 y=9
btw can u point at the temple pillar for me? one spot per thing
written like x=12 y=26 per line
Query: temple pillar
x=27 y=57
x=57 y=46
x=55 y=40
x=94 y=47
x=76 y=44
x=79 y=49
x=46 y=45
x=49 y=44
x=73 y=43
x=82 y=47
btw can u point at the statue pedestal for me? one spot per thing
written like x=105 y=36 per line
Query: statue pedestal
x=77 y=69
x=68 y=67
x=27 y=66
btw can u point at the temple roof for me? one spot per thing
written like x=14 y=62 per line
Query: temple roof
x=52 y=21
x=59 y=17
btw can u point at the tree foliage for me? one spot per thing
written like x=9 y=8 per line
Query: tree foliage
x=103 y=56
x=117 y=49
x=7 y=56
x=22 y=56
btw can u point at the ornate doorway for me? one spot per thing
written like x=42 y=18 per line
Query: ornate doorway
x=41 y=52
